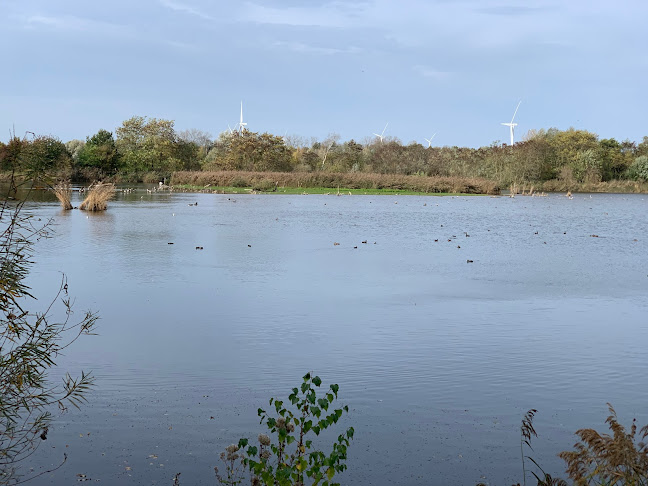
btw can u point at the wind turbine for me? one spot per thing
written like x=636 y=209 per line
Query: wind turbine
x=513 y=125
x=241 y=124
x=383 y=133
x=430 y=140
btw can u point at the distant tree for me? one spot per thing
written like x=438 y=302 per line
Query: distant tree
x=100 y=152
x=74 y=147
x=148 y=145
x=202 y=140
x=642 y=147
x=45 y=155
x=639 y=169
x=10 y=153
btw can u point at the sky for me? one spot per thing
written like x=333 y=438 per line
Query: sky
x=313 y=68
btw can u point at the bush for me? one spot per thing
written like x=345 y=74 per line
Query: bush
x=291 y=458
x=639 y=169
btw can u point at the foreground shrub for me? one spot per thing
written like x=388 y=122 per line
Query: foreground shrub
x=30 y=343
x=291 y=458
x=597 y=459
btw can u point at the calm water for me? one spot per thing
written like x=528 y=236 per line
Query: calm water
x=437 y=358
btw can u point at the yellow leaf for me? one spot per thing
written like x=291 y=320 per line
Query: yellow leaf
x=330 y=472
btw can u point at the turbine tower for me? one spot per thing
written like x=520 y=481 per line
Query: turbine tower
x=429 y=141
x=241 y=124
x=512 y=125
x=381 y=136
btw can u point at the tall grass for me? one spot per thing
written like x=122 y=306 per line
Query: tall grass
x=63 y=192
x=351 y=180
x=98 y=196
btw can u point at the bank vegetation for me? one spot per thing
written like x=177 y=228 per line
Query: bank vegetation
x=151 y=150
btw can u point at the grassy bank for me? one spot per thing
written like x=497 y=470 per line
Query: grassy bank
x=343 y=191
x=323 y=182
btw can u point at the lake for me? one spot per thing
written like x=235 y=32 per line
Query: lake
x=438 y=358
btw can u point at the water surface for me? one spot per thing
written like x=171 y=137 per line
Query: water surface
x=437 y=358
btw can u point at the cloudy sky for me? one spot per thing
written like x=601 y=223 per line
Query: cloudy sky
x=310 y=68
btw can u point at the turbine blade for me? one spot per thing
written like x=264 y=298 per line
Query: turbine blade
x=516 y=110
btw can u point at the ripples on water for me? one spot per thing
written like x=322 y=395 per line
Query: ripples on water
x=438 y=358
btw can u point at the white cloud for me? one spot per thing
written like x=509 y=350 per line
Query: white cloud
x=432 y=73
x=71 y=23
x=310 y=49
x=332 y=15
x=181 y=7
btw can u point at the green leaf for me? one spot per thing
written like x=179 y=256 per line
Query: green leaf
x=346 y=408
x=316 y=429
x=350 y=432
x=290 y=439
x=335 y=388
x=316 y=411
x=317 y=381
x=252 y=451
x=304 y=387
x=242 y=443
x=330 y=397
x=307 y=376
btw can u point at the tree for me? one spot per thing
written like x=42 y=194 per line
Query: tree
x=100 y=152
x=29 y=344
x=639 y=169
x=45 y=155
x=251 y=151
x=148 y=145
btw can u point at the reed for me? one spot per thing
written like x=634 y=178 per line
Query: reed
x=63 y=192
x=98 y=196
x=268 y=181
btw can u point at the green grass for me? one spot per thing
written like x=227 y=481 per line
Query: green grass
x=314 y=190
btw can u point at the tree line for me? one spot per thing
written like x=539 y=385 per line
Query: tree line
x=148 y=149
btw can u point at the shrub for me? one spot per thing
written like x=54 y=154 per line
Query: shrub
x=639 y=169
x=291 y=457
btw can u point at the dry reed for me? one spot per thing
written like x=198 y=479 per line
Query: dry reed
x=63 y=192
x=98 y=196
x=611 y=460
x=352 y=180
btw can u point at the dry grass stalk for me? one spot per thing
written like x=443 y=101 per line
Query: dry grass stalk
x=63 y=192
x=98 y=196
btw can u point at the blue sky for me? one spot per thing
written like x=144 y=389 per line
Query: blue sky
x=457 y=68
